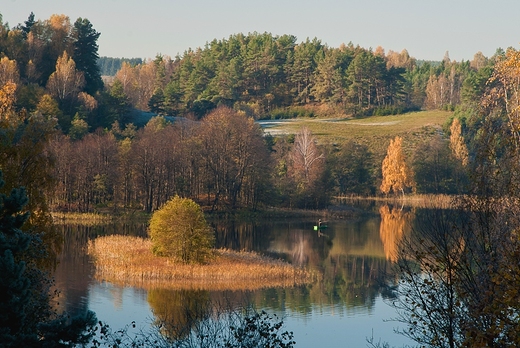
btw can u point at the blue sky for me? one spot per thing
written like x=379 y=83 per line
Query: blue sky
x=427 y=29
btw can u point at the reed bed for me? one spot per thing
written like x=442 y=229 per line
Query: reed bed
x=439 y=201
x=87 y=219
x=127 y=260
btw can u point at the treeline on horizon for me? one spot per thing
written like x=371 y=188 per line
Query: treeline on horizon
x=51 y=85
x=261 y=75
x=269 y=76
x=109 y=66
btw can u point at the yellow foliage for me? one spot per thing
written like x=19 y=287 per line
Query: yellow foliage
x=66 y=81
x=48 y=107
x=394 y=223
x=7 y=100
x=179 y=230
x=457 y=144
x=397 y=175
x=8 y=71
x=507 y=74
x=60 y=22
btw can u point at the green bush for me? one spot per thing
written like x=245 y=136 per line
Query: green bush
x=179 y=230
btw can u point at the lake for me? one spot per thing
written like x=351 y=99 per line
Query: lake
x=344 y=308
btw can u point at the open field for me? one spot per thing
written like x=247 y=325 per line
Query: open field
x=353 y=128
x=127 y=260
x=374 y=131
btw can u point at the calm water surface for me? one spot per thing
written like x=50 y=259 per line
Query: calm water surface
x=342 y=310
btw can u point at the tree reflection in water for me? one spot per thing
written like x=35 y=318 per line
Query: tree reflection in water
x=395 y=223
x=213 y=319
x=352 y=257
x=177 y=312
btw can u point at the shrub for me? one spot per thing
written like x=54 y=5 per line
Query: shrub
x=179 y=230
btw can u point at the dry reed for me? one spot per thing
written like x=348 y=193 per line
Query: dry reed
x=439 y=201
x=126 y=260
x=88 y=219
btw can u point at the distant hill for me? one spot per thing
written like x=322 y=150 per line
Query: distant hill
x=109 y=66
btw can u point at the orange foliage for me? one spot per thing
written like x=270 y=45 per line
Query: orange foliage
x=7 y=100
x=507 y=74
x=89 y=102
x=60 y=22
x=8 y=71
x=457 y=144
x=394 y=223
x=397 y=175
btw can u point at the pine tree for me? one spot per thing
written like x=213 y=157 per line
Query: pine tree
x=156 y=102
x=28 y=25
x=26 y=317
x=86 y=54
x=14 y=285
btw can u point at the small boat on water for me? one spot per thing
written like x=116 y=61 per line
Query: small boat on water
x=320 y=226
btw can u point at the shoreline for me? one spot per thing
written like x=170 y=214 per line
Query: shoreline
x=336 y=211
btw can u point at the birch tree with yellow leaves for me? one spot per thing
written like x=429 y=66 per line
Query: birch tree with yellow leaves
x=397 y=175
x=66 y=82
x=457 y=144
x=7 y=100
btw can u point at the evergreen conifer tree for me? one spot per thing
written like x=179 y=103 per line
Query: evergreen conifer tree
x=86 y=54
x=28 y=25
x=26 y=317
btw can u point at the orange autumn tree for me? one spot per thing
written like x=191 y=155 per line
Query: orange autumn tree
x=457 y=144
x=7 y=100
x=397 y=175
x=505 y=91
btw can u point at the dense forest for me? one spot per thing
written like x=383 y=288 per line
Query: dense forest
x=269 y=76
x=52 y=95
x=108 y=66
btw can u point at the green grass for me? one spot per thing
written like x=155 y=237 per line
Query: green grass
x=352 y=128
x=374 y=131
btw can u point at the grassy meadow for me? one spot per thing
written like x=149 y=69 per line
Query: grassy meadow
x=126 y=260
x=373 y=131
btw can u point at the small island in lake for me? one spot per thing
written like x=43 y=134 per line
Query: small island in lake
x=127 y=260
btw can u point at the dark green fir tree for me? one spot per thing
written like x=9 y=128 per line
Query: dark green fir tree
x=86 y=54
x=26 y=316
